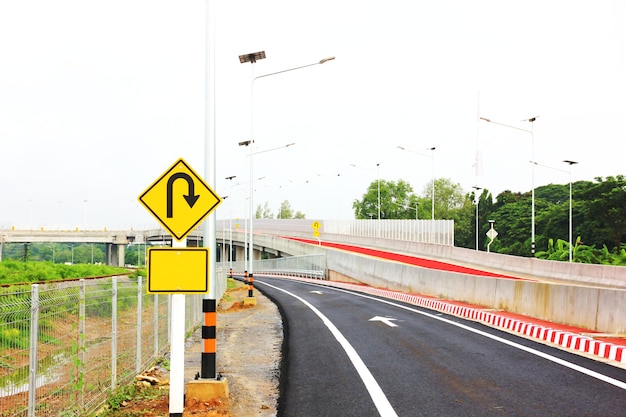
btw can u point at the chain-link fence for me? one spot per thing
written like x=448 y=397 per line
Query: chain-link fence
x=65 y=345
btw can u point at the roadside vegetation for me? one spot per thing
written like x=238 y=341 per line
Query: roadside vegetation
x=598 y=216
x=17 y=272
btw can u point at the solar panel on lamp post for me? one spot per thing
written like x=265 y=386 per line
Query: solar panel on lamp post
x=252 y=58
x=570 y=163
x=532 y=151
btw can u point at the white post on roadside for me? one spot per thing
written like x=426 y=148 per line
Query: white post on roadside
x=177 y=349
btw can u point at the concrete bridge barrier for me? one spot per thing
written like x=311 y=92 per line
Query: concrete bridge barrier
x=598 y=307
x=594 y=308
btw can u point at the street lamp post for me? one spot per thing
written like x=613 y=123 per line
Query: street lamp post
x=378 y=221
x=252 y=58
x=72 y=249
x=432 y=157
x=230 y=231
x=570 y=163
x=84 y=214
x=477 y=188
x=531 y=120
x=532 y=153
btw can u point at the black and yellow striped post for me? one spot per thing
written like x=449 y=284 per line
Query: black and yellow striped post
x=250 y=285
x=209 y=333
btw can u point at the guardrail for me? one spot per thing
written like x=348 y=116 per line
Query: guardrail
x=64 y=346
x=307 y=266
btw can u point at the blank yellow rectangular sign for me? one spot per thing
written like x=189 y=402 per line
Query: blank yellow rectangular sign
x=178 y=270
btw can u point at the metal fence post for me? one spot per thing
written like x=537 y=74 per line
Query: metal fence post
x=81 y=342
x=113 y=333
x=34 y=340
x=139 y=331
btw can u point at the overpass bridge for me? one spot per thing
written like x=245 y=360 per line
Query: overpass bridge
x=584 y=295
x=114 y=240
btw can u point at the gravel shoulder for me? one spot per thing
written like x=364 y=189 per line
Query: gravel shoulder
x=249 y=344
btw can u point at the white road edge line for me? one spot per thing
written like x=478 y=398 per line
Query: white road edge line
x=546 y=356
x=376 y=393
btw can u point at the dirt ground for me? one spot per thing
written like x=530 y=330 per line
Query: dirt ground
x=249 y=342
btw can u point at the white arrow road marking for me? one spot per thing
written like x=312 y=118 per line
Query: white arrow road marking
x=317 y=292
x=386 y=320
x=376 y=393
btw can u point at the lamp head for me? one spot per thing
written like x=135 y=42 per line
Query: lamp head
x=252 y=57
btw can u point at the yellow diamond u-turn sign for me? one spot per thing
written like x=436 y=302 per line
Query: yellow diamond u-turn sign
x=179 y=199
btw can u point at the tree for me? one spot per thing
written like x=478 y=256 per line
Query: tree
x=465 y=220
x=603 y=207
x=449 y=196
x=397 y=201
x=285 y=212
x=264 y=213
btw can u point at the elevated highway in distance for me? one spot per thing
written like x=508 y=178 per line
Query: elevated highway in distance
x=115 y=240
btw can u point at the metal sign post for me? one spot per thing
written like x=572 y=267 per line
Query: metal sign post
x=180 y=200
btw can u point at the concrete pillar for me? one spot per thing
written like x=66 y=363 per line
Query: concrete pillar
x=120 y=255
x=114 y=254
x=107 y=254
x=256 y=254
x=239 y=253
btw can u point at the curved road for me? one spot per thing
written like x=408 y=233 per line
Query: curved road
x=351 y=354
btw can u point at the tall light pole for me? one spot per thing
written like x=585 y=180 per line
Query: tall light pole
x=532 y=153
x=84 y=214
x=230 y=231
x=570 y=163
x=208 y=367
x=30 y=205
x=432 y=157
x=378 y=221
x=477 y=188
x=378 y=175
x=252 y=58
x=432 y=210
x=531 y=120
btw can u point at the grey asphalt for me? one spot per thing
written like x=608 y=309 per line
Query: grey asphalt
x=429 y=365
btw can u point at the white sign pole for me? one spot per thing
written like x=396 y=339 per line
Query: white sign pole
x=177 y=349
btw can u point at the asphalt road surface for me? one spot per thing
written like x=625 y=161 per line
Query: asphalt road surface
x=351 y=354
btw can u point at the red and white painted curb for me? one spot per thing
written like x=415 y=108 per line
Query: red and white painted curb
x=565 y=339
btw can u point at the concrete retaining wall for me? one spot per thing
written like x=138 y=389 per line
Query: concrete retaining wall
x=593 y=308
x=589 y=274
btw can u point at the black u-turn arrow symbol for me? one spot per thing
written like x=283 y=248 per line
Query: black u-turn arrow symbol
x=191 y=198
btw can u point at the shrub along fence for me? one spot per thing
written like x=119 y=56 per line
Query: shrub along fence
x=64 y=346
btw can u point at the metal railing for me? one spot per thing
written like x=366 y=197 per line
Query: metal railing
x=64 y=346
x=439 y=232
x=307 y=266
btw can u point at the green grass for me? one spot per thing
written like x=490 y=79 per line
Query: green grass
x=16 y=272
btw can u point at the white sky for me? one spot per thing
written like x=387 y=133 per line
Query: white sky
x=98 y=98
